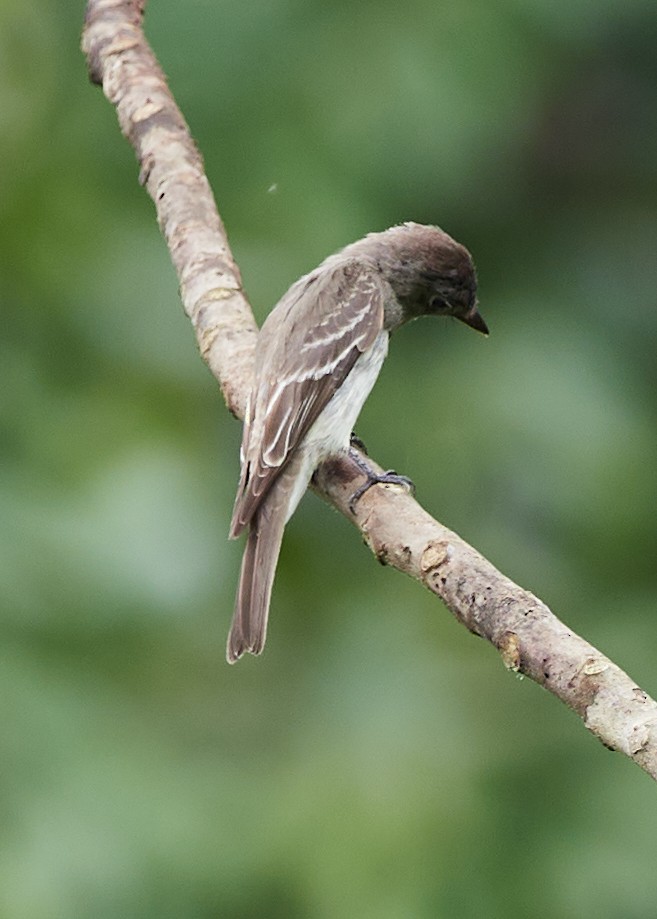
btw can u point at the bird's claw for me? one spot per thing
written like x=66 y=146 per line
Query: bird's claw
x=390 y=477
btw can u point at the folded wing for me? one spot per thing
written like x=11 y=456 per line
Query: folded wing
x=306 y=348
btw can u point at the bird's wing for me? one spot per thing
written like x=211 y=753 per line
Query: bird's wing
x=307 y=347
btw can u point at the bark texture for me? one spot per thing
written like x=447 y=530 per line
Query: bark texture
x=530 y=639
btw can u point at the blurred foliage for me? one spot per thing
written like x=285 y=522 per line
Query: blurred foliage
x=335 y=776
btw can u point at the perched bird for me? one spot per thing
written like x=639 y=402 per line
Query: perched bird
x=318 y=355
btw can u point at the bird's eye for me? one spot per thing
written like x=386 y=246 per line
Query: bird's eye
x=438 y=304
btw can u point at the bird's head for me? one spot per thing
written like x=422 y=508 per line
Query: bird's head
x=430 y=273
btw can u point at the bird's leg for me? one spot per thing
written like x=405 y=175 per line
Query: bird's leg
x=375 y=478
x=355 y=441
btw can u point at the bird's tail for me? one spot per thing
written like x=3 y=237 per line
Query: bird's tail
x=249 y=626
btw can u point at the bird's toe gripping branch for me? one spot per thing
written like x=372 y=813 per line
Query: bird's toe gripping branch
x=390 y=477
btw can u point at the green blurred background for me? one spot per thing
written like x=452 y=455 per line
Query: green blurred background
x=335 y=776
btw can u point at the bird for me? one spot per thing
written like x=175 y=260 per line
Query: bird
x=318 y=355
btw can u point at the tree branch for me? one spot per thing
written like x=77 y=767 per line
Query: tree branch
x=530 y=639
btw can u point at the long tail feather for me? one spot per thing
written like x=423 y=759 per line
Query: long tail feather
x=249 y=627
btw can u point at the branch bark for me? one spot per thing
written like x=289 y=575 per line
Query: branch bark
x=530 y=639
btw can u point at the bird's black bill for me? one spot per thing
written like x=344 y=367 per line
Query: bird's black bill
x=475 y=320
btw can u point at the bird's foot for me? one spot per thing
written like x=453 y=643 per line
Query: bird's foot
x=375 y=478
x=355 y=441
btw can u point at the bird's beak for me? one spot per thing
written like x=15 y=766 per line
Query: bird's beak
x=475 y=320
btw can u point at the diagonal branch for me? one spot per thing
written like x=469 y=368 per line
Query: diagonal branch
x=530 y=639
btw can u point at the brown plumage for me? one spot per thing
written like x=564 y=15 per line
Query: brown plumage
x=317 y=357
